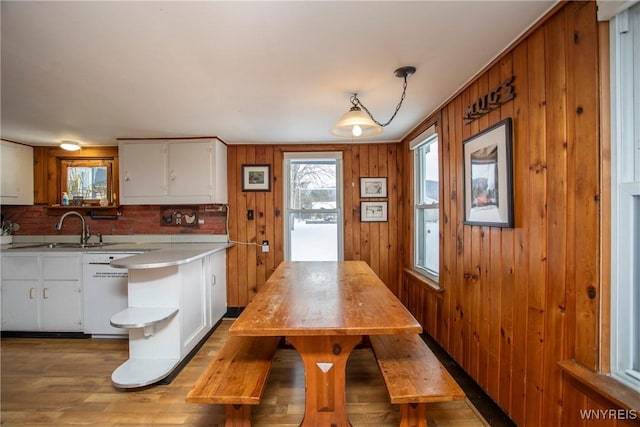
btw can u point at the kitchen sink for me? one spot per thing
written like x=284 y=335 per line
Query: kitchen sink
x=63 y=246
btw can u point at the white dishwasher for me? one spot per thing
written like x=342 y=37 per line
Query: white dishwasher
x=105 y=293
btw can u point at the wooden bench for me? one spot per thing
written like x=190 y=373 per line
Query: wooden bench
x=236 y=377
x=413 y=376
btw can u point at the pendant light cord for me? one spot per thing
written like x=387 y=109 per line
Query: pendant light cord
x=355 y=101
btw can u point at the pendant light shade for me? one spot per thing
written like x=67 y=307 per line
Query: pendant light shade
x=356 y=124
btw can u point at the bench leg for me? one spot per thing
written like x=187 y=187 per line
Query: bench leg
x=413 y=415
x=238 y=416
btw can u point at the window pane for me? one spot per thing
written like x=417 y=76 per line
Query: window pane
x=430 y=186
x=314 y=237
x=312 y=185
x=87 y=182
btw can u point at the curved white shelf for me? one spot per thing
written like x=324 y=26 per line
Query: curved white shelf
x=142 y=317
x=140 y=372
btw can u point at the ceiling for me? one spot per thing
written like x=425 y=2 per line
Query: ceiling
x=248 y=72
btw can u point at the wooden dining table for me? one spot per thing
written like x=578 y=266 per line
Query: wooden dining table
x=324 y=309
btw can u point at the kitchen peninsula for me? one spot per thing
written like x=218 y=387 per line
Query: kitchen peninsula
x=176 y=296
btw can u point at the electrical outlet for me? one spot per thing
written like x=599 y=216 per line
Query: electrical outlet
x=265 y=246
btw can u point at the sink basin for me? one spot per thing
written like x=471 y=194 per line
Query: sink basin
x=63 y=246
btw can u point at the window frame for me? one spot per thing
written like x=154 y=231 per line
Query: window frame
x=625 y=198
x=339 y=210
x=417 y=145
x=66 y=163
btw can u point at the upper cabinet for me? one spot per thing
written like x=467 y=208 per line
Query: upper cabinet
x=16 y=176
x=189 y=171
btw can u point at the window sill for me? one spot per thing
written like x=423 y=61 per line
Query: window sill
x=602 y=385
x=428 y=283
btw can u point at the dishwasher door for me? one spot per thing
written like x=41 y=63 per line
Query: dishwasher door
x=105 y=293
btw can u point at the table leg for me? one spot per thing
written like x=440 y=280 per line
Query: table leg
x=325 y=362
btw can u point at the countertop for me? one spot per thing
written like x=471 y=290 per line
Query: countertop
x=152 y=254
x=175 y=254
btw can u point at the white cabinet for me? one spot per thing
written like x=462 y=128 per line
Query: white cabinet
x=41 y=292
x=188 y=171
x=16 y=174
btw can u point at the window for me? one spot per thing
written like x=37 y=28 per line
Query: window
x=313 y=217
x=625 y=197
x=427 y=203
x=87 y=179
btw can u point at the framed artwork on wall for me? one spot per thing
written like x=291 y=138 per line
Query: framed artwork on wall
x=373 y=187
x=488 y=177
x=256 y=177
x=373 y=211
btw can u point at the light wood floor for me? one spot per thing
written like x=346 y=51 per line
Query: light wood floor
x=65 y=381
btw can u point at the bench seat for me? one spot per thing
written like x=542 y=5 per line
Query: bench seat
x=413 y=375
x=236 y=377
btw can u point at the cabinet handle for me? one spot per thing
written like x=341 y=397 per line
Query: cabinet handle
x=32 y=293
x=45 y=293
x=126 y=176
x=213 y=279
x=173 y=176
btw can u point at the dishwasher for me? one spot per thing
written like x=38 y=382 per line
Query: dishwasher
x=105 y=293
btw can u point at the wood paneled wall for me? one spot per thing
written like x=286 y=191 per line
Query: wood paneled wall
x=518 y=300
x=377 y=243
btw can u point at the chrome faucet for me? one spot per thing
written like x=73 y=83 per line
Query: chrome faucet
x=85 y=230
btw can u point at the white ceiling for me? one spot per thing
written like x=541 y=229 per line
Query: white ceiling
x=248 y=72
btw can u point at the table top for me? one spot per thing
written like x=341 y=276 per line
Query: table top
x=324 y=298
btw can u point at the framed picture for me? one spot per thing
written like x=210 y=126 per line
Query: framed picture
x=488 y=171
x=256 y=177
x=373 y=187
x=373 y=211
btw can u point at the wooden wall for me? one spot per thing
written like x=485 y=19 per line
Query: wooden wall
x=377 y=243
x=518 y=300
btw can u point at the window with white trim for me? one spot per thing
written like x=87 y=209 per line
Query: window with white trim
x=426 y=203
x=625 y=197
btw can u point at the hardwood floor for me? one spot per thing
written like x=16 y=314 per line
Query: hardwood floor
x=68 y=381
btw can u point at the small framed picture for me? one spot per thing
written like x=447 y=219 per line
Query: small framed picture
x=488 y=188
x=256 y=177
x=373 y=211
x=373 y=187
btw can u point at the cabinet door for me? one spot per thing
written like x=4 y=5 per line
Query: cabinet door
x=61 y=292
x=143 y=171
x=16 y=180
x=20 y=305
x=218 y=286
x=190 y=169
x=220 y=173
x=10 y=167
x=61 y=306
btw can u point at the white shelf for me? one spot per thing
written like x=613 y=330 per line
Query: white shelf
x=141 y=372
x=142 y=317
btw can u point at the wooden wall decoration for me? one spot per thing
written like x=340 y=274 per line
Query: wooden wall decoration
x=491 y=100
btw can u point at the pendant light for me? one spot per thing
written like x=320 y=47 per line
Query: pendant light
x=356 y=124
